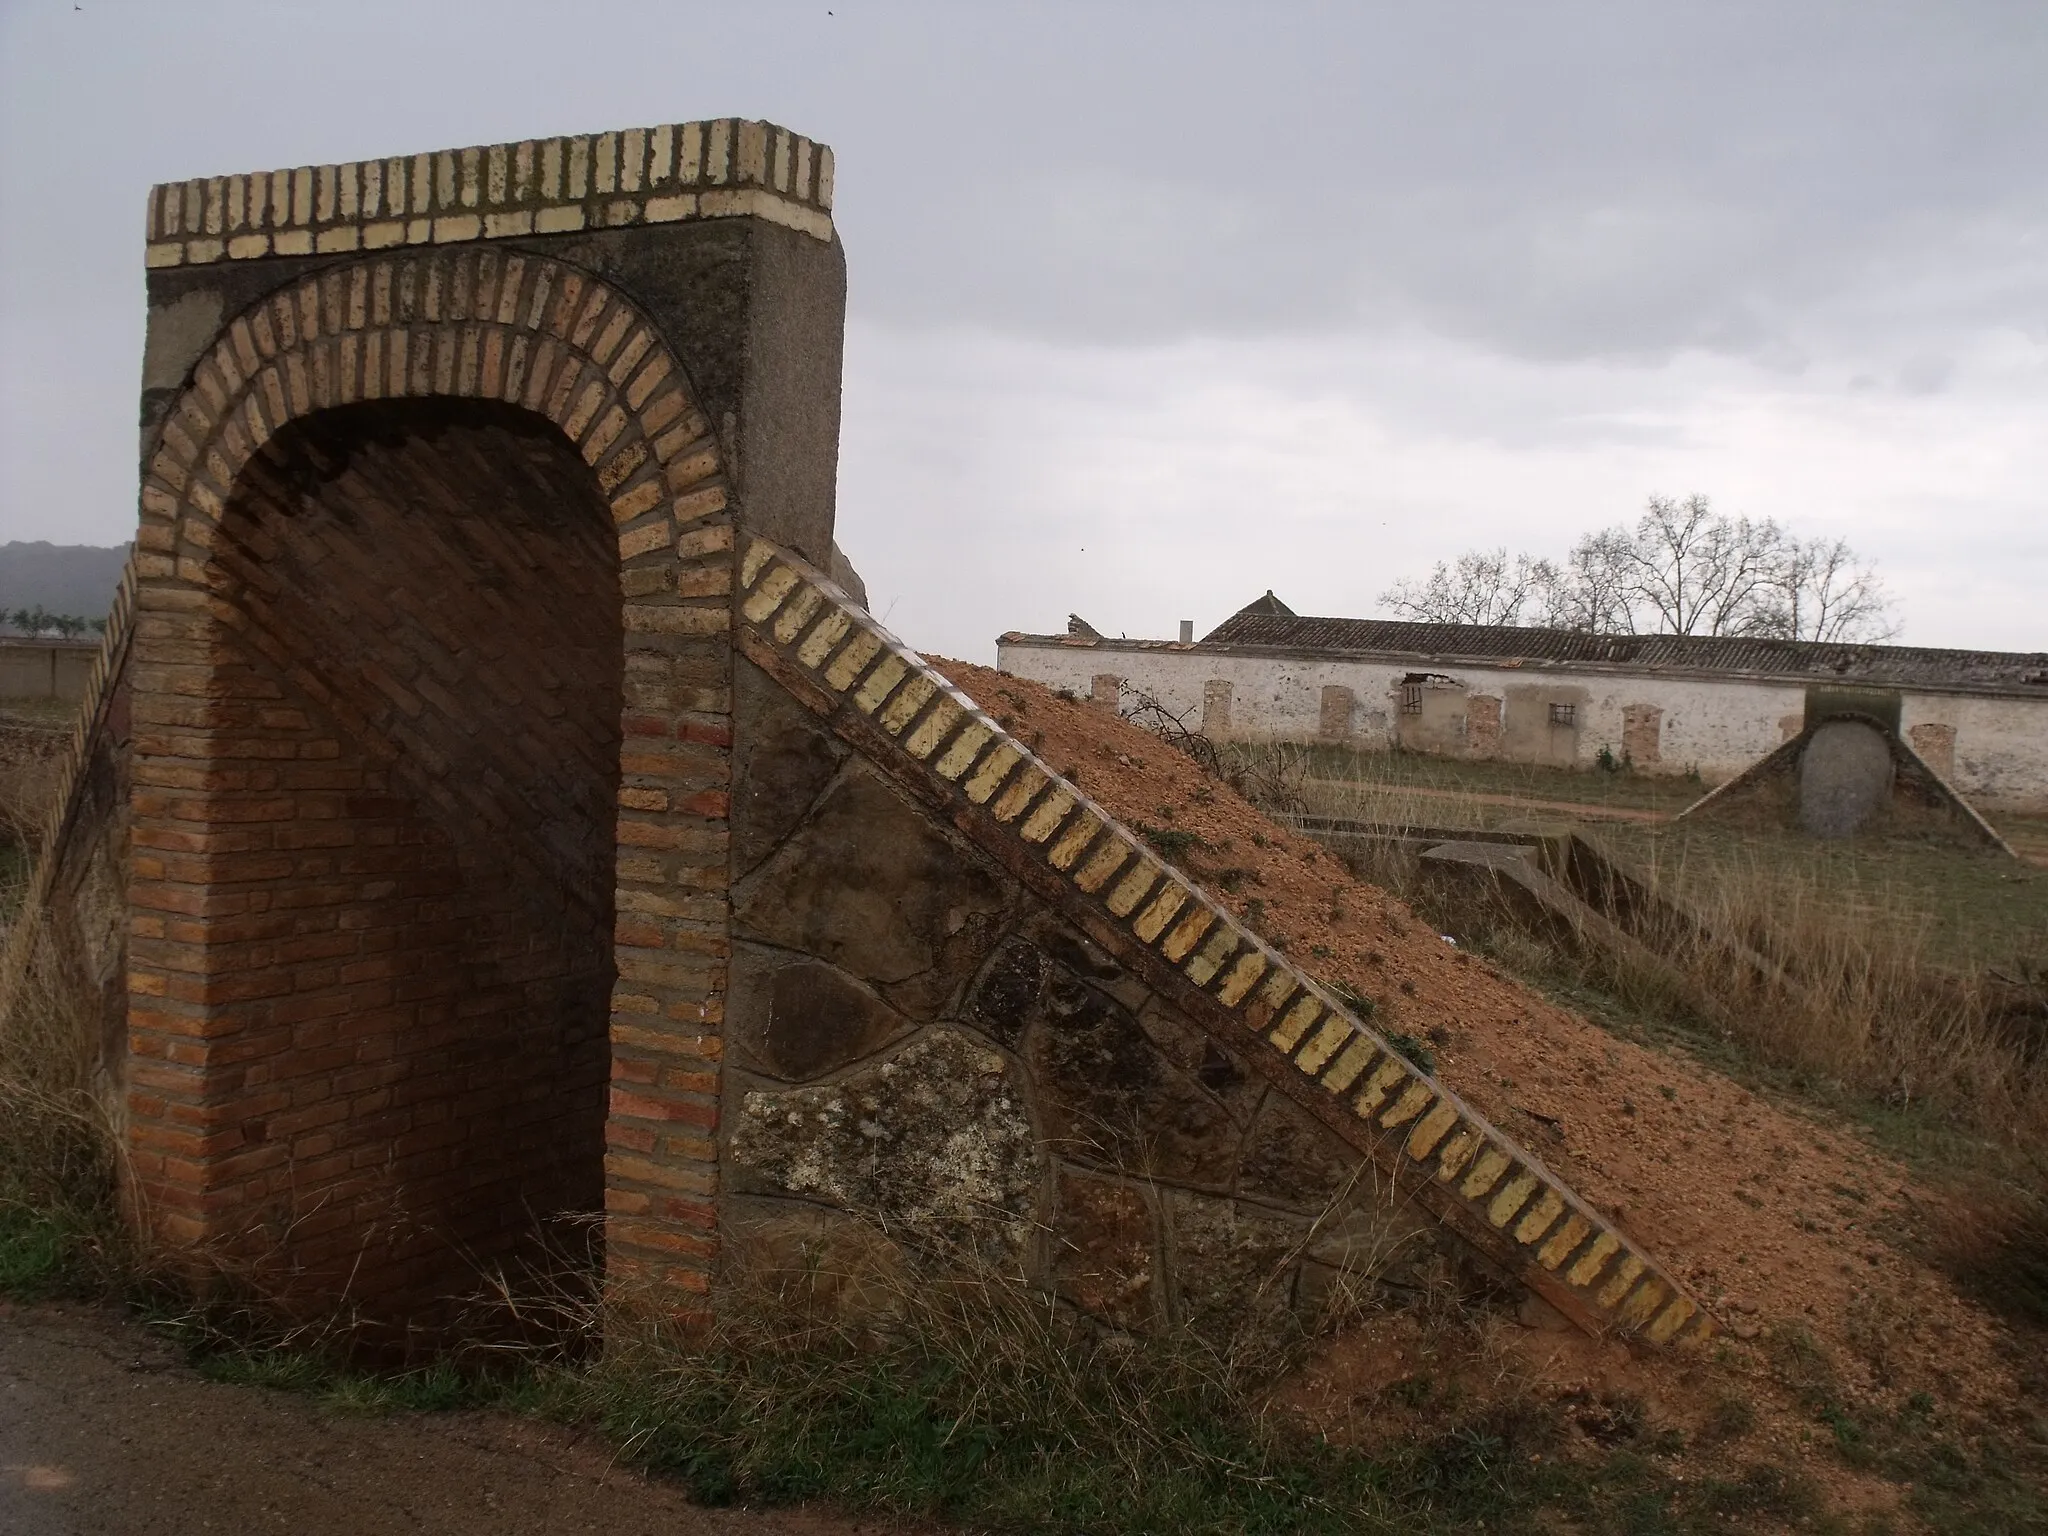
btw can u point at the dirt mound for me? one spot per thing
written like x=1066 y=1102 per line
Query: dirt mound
x=1782 y=1223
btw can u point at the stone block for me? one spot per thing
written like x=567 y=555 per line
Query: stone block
x=870 y=884
x=822 y=1259
x=1294 y=1160
x=1845 y=777
x=1234 y=1265
x=1109 y=1097
x=933 y=1144
x=781 y=764
x=797 y=1019
x=1104 y=1252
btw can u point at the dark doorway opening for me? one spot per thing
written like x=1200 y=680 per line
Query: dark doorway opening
x=413 y=717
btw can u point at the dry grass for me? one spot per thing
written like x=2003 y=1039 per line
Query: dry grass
x=1903 y=983
x=57 y=1149
x=1865 y=997
x=1866 y=990
x=29 y=757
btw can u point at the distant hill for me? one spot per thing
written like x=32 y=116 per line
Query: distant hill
x=74 y=579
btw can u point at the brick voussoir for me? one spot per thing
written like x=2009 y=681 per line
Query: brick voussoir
x=889 y=703
x=238 y=984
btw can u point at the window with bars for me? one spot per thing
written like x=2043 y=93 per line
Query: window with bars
x=1564 y=714
x=1411 y=698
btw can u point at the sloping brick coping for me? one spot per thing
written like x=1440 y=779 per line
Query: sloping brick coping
x=726 y=168
x=900 y=712
x=90 y=721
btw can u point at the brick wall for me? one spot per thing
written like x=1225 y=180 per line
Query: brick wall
x=408 y=712
x=430 y=674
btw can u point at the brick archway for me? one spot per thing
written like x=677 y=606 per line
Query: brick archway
x=294 y=943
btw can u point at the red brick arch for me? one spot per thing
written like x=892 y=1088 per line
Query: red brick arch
x=244 y=896
x=476 y=324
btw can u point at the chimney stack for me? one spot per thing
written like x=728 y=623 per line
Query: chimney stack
x=1187 y=631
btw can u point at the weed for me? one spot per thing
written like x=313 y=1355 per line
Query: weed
x=1763 y=1490
x=1731 y=1417
x=1417 y=1052
x=1174 y=843
x=1361 y=1005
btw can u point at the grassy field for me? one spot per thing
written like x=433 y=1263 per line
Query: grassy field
x=1968 y=910
x=1913 y=997
x=1345 y=781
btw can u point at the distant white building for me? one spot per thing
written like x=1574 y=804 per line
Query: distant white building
x=1665 y=703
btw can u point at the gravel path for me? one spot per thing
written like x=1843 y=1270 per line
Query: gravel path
x=105 y=1432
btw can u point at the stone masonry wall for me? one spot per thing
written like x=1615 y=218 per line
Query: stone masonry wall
x=907 y=725
x=925 y=1058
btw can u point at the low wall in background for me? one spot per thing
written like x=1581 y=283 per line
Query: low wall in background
x=46 y=669
x=1992 y=748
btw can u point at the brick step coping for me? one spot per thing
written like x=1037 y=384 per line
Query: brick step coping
x=889 y=701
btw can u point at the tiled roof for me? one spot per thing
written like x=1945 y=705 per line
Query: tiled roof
x=1811 y=661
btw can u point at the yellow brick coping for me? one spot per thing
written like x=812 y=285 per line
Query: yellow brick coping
x=1557 y=1241
x=722 y=168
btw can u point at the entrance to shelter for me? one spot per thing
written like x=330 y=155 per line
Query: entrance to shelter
x=409 y=710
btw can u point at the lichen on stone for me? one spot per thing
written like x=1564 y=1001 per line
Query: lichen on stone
x=934 y=1145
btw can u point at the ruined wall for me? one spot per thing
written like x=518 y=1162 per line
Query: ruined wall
x=1991 y=749
x=45 y=669
x=425 y=674
x=445 y=722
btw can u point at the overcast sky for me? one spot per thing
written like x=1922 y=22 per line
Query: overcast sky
x=1157 y=306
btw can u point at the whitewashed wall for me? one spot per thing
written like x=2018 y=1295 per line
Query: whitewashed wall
x=2001 y=745
x=1716 y=728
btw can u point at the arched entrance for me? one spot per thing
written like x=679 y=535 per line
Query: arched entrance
x=431 y=670
x=424 y=550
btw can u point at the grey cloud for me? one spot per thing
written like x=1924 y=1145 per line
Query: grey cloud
x=1555 y=181
x=1571 y=180
x=1925 y=375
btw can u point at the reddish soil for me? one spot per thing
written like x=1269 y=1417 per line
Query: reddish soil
x=1779 y=1221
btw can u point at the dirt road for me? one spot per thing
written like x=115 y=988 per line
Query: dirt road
x=105 y=1432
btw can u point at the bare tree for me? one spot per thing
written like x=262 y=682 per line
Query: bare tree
x=1822 y=591
x=1698 y=573
x=1684 y=569
x=1483 y=587
x=1593 y=592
